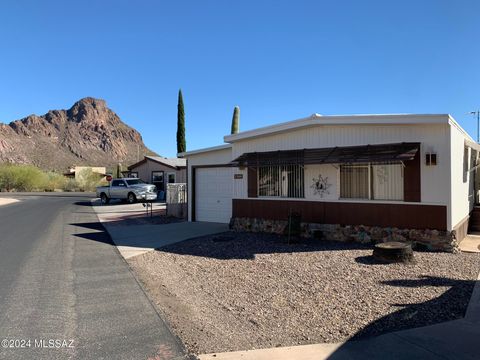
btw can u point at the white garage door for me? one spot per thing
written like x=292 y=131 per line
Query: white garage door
x=213 y=194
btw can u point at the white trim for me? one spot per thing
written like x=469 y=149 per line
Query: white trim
x=453 y=122
x=316 y=120
x=204 y=150
x=387 y=202
x=472 y=144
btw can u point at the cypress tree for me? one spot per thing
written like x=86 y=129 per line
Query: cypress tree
x=236 y=120
x=181 y=143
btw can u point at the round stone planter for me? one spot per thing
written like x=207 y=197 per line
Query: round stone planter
x=393 y=252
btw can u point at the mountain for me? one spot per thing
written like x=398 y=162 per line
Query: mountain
x=89 y=133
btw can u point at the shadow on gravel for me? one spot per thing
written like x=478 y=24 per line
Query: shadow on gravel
x=368 y=260
x=450 y=305
x=243 y=245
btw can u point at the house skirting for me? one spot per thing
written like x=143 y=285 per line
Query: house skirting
x=405 y=216
x=423 y=225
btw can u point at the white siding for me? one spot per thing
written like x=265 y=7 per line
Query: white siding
x=213 y=194
x=461 y=181
x=433 y=137
x=329 y=175
x=240 y=185
x=214 y=157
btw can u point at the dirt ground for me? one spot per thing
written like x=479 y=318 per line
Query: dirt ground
x=243 y=291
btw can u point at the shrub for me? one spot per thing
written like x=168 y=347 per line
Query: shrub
x=70 y=185
x=88 y=180
x=54 y=181
x=21 y=177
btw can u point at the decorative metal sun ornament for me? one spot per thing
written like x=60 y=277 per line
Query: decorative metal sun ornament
x=320 y=186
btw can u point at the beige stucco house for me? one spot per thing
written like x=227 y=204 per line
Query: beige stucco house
x=77 y=172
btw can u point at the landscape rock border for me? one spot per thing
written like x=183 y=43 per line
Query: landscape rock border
x=420 y=239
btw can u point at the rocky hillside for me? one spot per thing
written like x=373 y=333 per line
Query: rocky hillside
x=89 y=133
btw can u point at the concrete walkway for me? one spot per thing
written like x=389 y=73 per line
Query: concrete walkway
x=456 y=339
x=471 y=243
x=133 y=240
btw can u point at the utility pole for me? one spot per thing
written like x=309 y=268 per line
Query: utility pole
x=477 y=114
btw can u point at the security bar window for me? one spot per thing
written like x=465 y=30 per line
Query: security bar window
x=354 y=183
x=281 y=181
x=376 y=182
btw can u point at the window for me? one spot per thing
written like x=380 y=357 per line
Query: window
x=134 y=182
x=118 y=183
x=354 y=181
x=473 y=158
x=281 y=181
x=387 y=182
x=157 y=176
x=378 y=182
x=134 y=174
x=171 y=178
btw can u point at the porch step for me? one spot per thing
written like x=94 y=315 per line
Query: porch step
x=474 y=221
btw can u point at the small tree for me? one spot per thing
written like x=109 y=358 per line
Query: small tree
x=181 y=143
x=236 y=120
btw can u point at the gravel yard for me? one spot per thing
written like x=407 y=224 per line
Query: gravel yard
x=243 y=291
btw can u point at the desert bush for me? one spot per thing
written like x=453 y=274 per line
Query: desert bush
x=88 y=180
x=21 y=177
x=70 y=185
x=30 y=178
x=54 y=181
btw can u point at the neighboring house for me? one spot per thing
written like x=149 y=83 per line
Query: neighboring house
x=159 y=171
x=76 y=172
x=397 y=175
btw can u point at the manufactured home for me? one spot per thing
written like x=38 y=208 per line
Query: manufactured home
x=360 y=177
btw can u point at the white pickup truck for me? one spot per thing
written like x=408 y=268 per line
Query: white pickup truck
x=129 y=189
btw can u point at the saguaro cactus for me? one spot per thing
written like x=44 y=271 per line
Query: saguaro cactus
x=236 y=120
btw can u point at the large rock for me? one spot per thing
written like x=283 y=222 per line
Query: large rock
x=89 y=133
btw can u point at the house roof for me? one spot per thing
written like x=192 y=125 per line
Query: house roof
x=174 y=163
x=366 y=119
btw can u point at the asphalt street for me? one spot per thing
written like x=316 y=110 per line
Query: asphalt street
x=66 y=293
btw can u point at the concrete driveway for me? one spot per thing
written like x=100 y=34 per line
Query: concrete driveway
x=132 y=240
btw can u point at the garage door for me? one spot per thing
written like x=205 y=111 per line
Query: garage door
x=213 y=194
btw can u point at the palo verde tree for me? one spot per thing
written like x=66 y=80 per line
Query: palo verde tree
x=236 y=120
x=181 y=143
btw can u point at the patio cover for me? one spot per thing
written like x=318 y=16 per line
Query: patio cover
x=391 y=153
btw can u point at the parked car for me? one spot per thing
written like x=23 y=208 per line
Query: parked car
x=129 y=189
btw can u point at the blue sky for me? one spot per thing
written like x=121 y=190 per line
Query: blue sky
x=278 y=60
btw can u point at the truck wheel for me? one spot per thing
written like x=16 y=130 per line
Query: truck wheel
x=131 y=198
x=104 y=199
